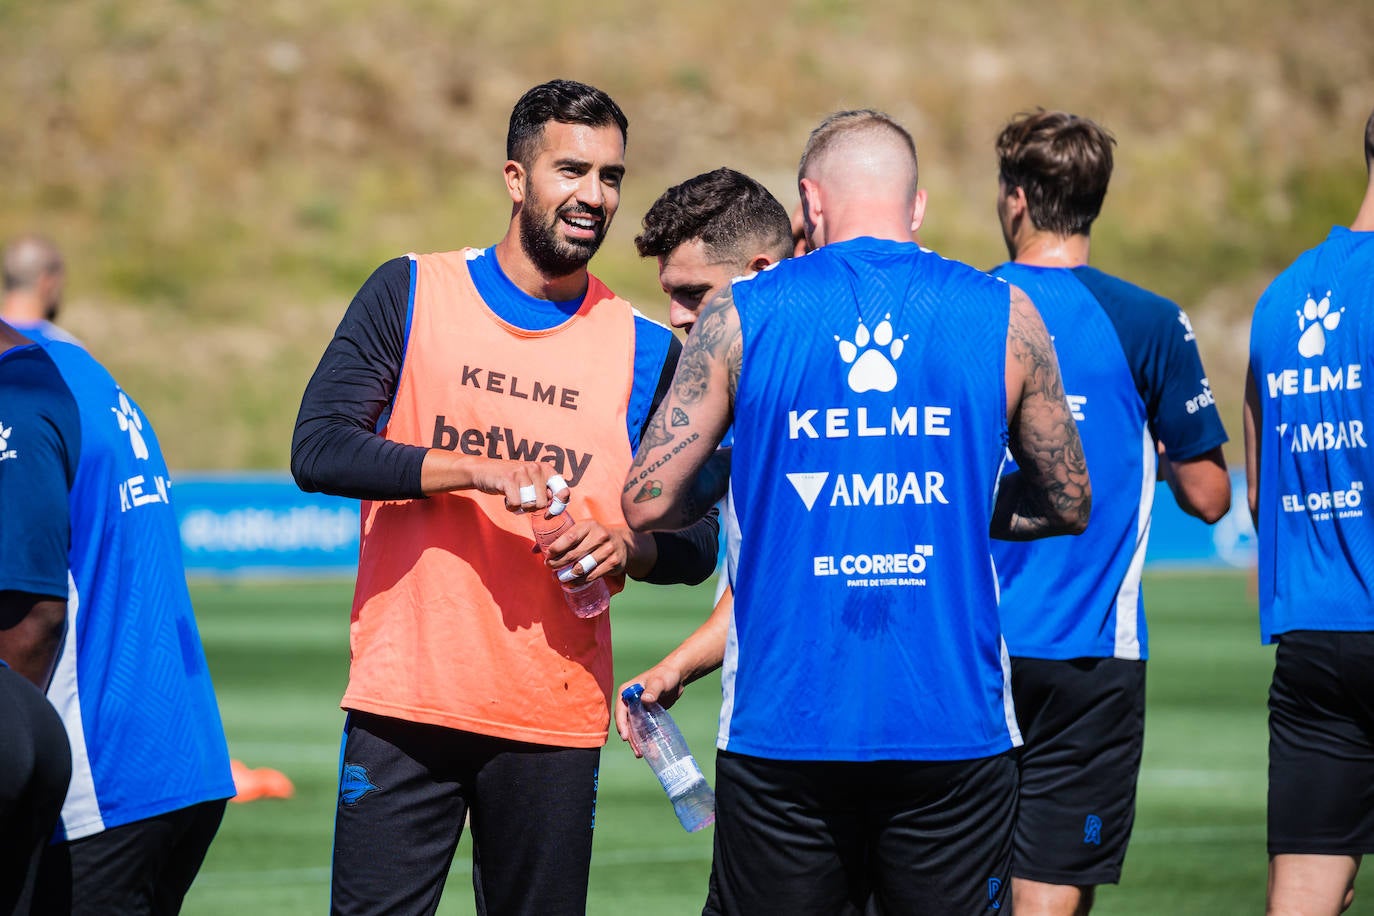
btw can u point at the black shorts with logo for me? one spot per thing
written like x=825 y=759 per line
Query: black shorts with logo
x=1321 y=744
x=823 y=837
x=404 y=791
x=1083 y=723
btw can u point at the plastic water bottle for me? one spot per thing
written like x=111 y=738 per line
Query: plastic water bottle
x=662 y=744
x=587 y=599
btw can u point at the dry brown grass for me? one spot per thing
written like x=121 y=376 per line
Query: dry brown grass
x=223 y=176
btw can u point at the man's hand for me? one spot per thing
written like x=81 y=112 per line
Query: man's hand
x=662 y=685
x=615 y=550
x=526 y=485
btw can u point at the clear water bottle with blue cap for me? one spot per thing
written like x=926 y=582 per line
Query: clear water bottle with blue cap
x=658 y=738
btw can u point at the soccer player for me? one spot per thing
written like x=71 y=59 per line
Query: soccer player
x=33 y=275
x=1072 y=611
x=705 y=232
x=150 y=769
x=866 y=731
x=461 y=389
x=39 y=440
x=1307 y=464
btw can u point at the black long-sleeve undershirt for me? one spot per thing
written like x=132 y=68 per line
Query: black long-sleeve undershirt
x=335 y=447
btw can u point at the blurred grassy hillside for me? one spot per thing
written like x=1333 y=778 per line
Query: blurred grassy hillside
x=223 y=176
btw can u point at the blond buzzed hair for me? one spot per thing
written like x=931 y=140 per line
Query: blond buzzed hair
x=847 y=124
x=27 y=259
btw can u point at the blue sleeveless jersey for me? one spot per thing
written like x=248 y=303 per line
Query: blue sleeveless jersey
x=1311 y=355
x=1132 y=374
x=131 y=682
x=870 y=427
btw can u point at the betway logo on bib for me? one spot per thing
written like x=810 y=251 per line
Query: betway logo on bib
x=501 y=442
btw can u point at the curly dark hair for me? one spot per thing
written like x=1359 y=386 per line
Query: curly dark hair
x=725 y=209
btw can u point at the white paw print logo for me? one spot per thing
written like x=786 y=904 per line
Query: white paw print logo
x=130 y=422
x=5 y=433
x=1315 y=319
x=871 y=368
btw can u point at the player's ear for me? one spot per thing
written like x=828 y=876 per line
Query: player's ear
x=812 y=212
x=515 y=181
x=918 y=211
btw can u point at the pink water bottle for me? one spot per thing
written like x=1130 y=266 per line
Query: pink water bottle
x=587 y=599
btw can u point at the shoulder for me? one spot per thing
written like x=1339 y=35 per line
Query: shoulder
x=31 y=370
x=1114 y=292
x=1133 y=309
x=32 y=388
x=394 y=275
x=653 y=337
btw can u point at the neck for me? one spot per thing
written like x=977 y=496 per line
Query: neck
x=1364 y=220
x=22 y=306
x=530 y=279
x=1046 y=249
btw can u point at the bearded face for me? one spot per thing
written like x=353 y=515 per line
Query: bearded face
x=568 y=194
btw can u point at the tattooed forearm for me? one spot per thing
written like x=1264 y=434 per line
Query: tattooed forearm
x=657 y=432
x=1051 y=494
x=710 y=334
x=734 y=358
x=664 y=489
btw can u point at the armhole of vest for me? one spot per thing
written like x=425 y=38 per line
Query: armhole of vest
x=385 y=416
x=1005 y=424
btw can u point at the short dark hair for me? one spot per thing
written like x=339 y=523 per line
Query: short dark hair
x=1062 y=162
x=725 y=209
x=1369 y=143
x=564 y=101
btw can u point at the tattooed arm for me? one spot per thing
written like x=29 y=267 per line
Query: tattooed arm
x=1050 y=493
x=1253 y=422
x=666 y=488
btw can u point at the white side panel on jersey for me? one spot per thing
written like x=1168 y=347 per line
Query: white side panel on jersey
x=731 y=660
x=1008 y=706
x=1128 y=596
x=81 y=811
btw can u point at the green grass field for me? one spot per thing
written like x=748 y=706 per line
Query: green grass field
x=279 y=655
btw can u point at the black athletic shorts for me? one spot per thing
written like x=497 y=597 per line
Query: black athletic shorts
x=1321 y=744
x=795 y=838
x=143 y=867
x=1083 y=724
x=404 y=791
x=35 y=766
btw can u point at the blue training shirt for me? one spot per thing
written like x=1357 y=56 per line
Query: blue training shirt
x=131 y=682
x=40 y=443
x=44 y=332
x=1132 y=375
x=870 y=428
x=1311 y=346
